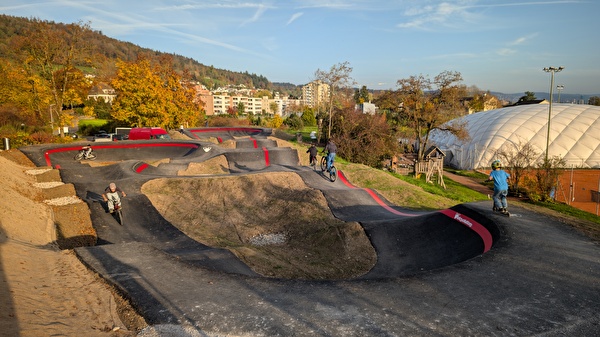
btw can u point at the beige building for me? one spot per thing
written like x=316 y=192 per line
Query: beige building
x=315 y=93
x=102 y=91
x=219 y=102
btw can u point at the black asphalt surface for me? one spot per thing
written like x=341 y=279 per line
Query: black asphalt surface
x=458 y=272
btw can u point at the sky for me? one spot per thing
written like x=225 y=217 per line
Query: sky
x=496 y=45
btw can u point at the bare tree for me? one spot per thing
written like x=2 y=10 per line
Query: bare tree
x=547 y=176
x=517 y=158
x=338 y=77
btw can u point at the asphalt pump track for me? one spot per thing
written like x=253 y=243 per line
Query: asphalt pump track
x=458 y=271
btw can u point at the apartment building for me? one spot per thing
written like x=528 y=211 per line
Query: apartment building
x=315 y=93
x=220 y=101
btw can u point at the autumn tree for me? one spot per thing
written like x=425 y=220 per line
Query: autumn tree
x=50 y=55
x=362 y=95
x=273 y=107
x=153 y=94
x=16 y=102
x=275 y=122
x=338 y=77
x=389 y=103
x=240 y=109
x=363 y=138
x=429 y=105
x=263 y=93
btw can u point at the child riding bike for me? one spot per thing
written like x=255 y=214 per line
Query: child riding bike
x=312 y=154
x=500 y=178
x=111 y=196
x=330 y=149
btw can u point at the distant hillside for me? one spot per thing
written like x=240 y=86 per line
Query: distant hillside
x=113 y=49
x=564 y=98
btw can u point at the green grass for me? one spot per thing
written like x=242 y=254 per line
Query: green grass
x=467 y=173
x=453 y=190
x=417 y=194
x=93 y=122
x=568 y=210
x=305 y=134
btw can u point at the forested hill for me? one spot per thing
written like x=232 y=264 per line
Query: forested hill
x=110 y=49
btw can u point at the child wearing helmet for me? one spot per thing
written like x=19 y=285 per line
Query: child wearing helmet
x=500 y=178
x=111 y=196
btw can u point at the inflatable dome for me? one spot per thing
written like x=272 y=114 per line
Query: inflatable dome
x=574 y=135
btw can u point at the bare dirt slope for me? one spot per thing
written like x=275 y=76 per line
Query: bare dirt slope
x=273 y=222
x=45 y=291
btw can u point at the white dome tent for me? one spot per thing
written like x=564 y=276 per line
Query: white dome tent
x=574 y=135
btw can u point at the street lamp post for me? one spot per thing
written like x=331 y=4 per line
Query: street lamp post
x=550 y=70
x=559 y=88
x=51 y=118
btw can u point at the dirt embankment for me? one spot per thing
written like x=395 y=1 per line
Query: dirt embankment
x=46 y=291
x=273 y=222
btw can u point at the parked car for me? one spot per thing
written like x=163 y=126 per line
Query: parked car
x=148 y=133
x=118 y=136
x=102 y=137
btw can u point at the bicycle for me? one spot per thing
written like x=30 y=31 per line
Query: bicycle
x=117 y=210
x=332 y=170
x=83 y=154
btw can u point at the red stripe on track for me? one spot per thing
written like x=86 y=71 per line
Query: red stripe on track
x=227 y=129
x=113 y=146
x=478 y=228
x=141 y=167
x=473 y=225
x=374 y=196
x=267 y=161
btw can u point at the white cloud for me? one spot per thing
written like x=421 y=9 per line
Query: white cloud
x=259 y=12
x=522 y=39
x=444 y=14
x=294 y=17
x=505 y=51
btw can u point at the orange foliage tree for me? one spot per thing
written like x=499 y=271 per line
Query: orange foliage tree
x=49 y=57
x=153 y=94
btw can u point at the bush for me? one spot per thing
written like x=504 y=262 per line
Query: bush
x=42 y=137
x=294 y=122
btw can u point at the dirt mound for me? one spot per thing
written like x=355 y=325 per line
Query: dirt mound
x=45 y=291
x=273 y=222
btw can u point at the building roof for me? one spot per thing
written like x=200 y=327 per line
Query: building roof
x=574 y=135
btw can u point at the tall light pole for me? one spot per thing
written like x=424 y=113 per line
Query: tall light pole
x=551 y=70
x=559 y=88
x=51 y=119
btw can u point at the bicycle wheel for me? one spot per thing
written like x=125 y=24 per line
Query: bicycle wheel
x=323 y=163
x=332 y=173
x=92 y=156
x=78 y=156
x=119 y=216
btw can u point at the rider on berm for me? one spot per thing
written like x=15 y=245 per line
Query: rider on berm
x=111 y=196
